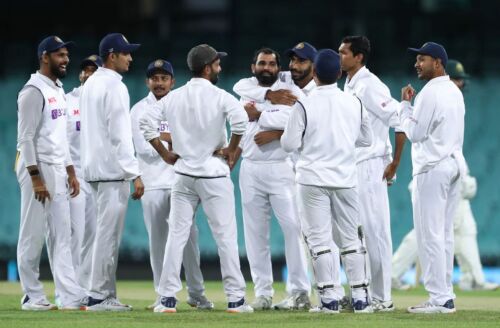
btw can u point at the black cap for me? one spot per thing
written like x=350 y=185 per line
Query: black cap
x=433 y=49
x=302 y=50
x=159 y=65
x=327 y=64
x=116 y=42
x=456 y=70
x=51 y=44
x=91 y=60
x=202 y=55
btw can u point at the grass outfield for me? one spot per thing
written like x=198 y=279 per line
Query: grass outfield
x=475 y=309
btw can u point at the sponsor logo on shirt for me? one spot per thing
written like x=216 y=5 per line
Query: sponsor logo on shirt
x=76 y=111
x=55 y=113
x=164 y=126
x=52 y=100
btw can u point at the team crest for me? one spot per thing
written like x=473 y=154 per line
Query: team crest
x=299 y=46
x=158 y=63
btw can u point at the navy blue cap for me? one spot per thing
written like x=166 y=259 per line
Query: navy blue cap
x=116 y=42
x=435 y=50
x=327 y=64
x=302 y=50
x=160 y=65
x=51 y=44
x=91 y=60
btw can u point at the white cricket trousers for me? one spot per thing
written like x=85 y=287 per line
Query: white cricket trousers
x=434 y=197
x=466 y=249
x=112 y=201
x=156 y=209
x=333 y=212
x=217 y=199
x=51 y=222
x=374 y=216
x=265 y=186
x=83 y=224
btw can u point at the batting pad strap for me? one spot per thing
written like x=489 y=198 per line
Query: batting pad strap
x=320 y=250
x=321 y=286
x=361 y=250
x=360 y=284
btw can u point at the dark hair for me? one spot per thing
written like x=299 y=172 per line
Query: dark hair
x=326 y=81
x=267 y=51
x=359 y=45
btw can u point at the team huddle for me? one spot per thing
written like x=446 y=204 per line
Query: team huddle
x=319 y=157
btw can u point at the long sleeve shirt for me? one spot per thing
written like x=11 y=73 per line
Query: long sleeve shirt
x=382 y=110
x=73 y=127
x=107 y=150
x=272 y=117
x=41 y=129
x=326 y=127
x=435 y=124
x=197 y=113
x=157 y=174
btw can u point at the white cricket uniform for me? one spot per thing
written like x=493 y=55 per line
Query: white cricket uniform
x=465 y=234
x=82 y=207
x=372 y=189
x=267 y=182
x=197 y=114
x=158 y=178
x=42 y=141
x=435 y=126
x=108 y=164
x=326 y=127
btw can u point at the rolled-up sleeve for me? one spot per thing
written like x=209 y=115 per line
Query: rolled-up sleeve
x=30 y=106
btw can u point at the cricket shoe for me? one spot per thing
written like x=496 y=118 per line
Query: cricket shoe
x=298 y=301
x=239 y=307
x=152 y=306
x=427 y=307
x=328 y=308
x=167 y=305
x=380 y=306
x=262 y=303
x=42 y=304
x=399 y=285
x=200 y=302
x=108 y=304
x=361 y=306
x=75 y=306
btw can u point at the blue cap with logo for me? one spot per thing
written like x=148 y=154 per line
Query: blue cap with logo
x=327 y=64
x=159 y=65
x=91 y=60
x=433 y=49
x=116 y=42
x=52 y=43
x=302 y=50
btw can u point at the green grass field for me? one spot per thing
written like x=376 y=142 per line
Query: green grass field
x=475 y=309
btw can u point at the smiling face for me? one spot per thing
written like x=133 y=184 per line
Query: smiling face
x=57 y=62
x=160 y=84
x=266 y=69
x=427 y=67
x=301 y=70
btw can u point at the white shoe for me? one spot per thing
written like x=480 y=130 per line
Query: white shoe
x=427 y=307
x=298 y=301
x=262 y=303
x=75 y=306
x=200 y=302
x=151 y=307
x=327 y=308
x=362 y=306
x=239 y=307
x=108 y=304
x=399 y=285
x=379 y=306
x=167 y=305
x=43 y=304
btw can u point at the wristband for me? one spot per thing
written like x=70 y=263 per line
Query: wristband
x=34 y=172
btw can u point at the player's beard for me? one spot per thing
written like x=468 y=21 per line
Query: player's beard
x=214 y=77
x=266 y=80
x=302 y=76
x=56 y=71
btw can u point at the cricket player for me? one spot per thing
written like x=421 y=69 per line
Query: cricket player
x=464 y=226
x=267 y=183
x=197 y=114
x=435 y=127
x=376 y=167
x=158 y=178
x=82 y=207
x=47 y=178
x=108 y=164
x=326 y=127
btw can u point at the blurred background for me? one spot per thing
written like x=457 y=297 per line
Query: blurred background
x=168 y=29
